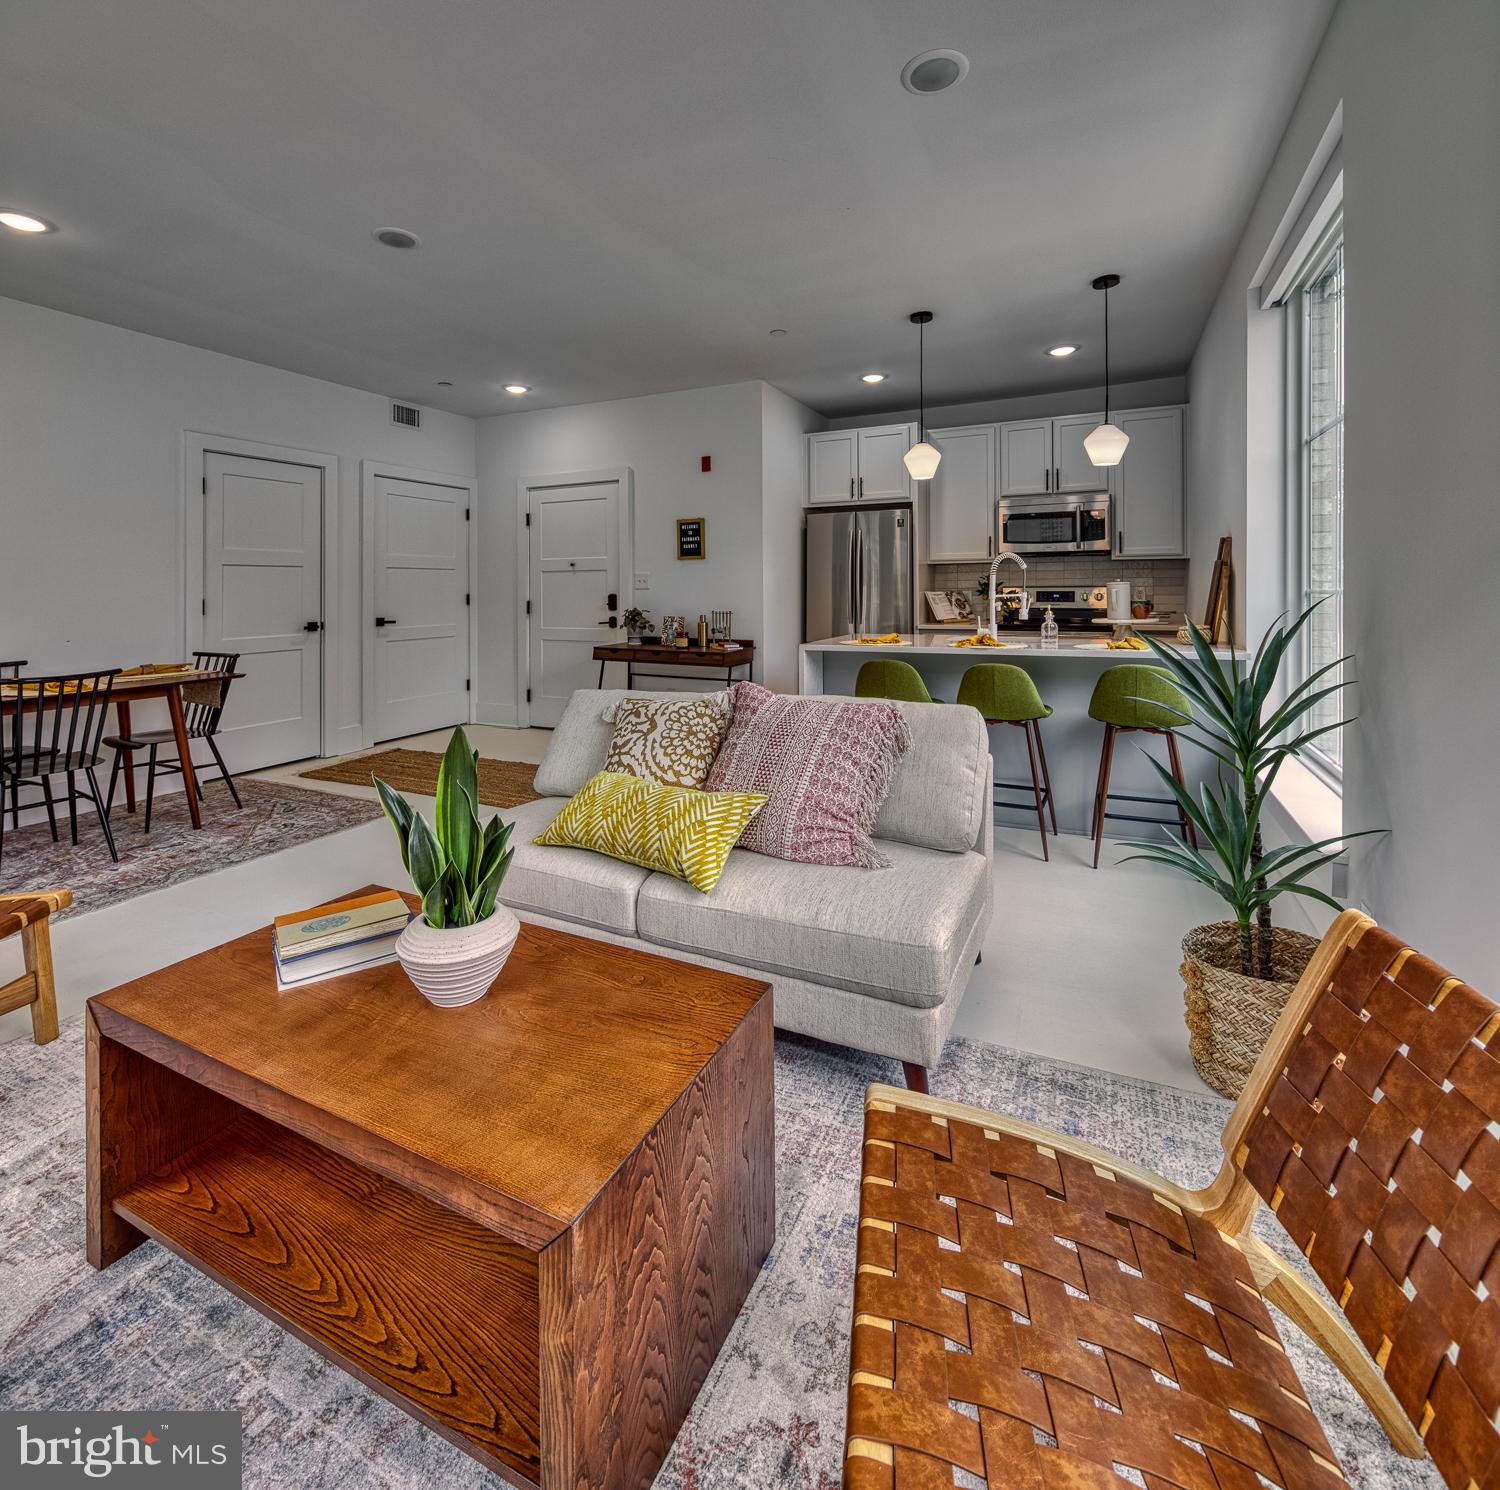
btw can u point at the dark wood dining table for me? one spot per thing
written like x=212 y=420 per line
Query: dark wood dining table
x=137 y=688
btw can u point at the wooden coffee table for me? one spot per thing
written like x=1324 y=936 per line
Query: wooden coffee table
x=529 y=1222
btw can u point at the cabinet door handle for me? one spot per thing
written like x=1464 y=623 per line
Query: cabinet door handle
x=851 y=488
x=1047 y=479
x=1056 y=478
x=861 y=486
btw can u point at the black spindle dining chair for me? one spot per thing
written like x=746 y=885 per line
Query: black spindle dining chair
x=53 y=727
x=201 y=716
x=10 y=671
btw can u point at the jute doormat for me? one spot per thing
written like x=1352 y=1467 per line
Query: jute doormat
x=501 y=783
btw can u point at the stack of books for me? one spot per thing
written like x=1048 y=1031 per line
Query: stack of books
x=340 y=937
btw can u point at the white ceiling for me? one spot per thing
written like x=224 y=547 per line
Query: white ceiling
x=625 y=196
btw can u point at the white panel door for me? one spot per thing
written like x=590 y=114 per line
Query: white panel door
x=262 y=587
x=1072 y=468
x=1149 y=508
x=420 y=628
x=882 y=475
x=831 y=466
x=961 y=496
x=1026 y=458
x=575 y=574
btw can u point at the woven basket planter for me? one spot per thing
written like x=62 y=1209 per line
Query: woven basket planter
x=1230 y=1016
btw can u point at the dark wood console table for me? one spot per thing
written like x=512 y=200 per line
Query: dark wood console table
x=636 y=658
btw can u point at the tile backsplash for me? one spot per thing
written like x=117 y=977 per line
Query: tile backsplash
x=1167 y=578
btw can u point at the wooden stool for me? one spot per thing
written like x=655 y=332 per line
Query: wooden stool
x=1134 y=698
x=1004 y=694
x=28 y=914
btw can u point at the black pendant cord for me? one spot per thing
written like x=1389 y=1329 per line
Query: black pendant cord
x=920 y=318
x=1106 y=282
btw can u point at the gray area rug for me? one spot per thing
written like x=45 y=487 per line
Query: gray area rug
x=274 y=817
x=151 y=1332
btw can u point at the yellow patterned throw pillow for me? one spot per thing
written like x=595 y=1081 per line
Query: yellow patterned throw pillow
x=673 y=741
x=681 y=832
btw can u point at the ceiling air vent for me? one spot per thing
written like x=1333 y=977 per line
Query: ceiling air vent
x=408 y=414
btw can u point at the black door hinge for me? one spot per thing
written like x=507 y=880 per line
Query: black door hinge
x=467 y=601
x=467 y=682
x=205 y=606
x=528 y=695
x=528 y=607
x=528 y=519
x=468 y=512
x=205 y=486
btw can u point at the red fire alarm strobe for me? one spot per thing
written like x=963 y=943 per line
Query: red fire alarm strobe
x=705 y=462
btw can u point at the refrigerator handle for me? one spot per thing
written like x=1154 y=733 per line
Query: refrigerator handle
x=859 y=625
x=853 y=583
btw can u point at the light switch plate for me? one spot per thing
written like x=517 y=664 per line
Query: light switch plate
x=643 y=582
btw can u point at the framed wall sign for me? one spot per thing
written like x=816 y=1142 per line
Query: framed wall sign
x=692 y=538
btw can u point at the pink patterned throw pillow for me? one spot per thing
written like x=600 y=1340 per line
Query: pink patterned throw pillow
x=826 y=765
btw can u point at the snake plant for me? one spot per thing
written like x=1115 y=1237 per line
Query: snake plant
x=458 y=868
x=1235 y=721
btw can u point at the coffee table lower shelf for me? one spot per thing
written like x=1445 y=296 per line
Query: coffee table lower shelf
x=420 y=1303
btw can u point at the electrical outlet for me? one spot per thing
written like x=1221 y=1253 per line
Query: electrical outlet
x=643 y=582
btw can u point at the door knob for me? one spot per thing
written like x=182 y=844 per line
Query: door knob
x=385 y=620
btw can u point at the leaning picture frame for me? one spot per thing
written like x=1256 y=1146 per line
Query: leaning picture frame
x=692 y=538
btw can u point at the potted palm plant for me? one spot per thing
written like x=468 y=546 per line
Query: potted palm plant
x=1240 y=973
x=456 y=948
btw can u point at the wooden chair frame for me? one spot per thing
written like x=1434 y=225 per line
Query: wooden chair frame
x=1228 y=1203
x=28 y=914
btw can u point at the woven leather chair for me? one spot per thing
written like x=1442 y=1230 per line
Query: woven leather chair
x=27 y=915
x=1039 y=1313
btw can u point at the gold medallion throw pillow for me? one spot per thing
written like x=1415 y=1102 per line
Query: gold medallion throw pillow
x=673 y=741
x=681 y=832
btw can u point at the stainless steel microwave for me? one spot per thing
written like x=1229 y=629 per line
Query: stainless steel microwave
x=1055 y=525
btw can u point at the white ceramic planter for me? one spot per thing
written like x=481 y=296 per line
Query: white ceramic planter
x=458 y=964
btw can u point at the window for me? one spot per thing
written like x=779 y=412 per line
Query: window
x=1320 y=498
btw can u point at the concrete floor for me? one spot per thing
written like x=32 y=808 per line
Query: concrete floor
x=1079 y=964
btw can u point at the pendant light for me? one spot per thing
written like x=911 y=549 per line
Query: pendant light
x=1106 y=443
x=922 y=459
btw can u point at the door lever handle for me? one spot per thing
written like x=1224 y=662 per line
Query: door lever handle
x=313 y=626
x=611 y=623
x=385 y=620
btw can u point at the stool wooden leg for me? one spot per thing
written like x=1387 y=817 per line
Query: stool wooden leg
x=1036 y=725
x=122 y=722
x=1182 y=817
x=36 y=947
x=1036 y=788
x=1106 y=761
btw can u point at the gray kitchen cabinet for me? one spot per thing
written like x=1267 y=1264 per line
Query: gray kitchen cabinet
x=961 y=496
x=1072 y=470
x=1150 y=517
x=853 y=465
x=1026 y=458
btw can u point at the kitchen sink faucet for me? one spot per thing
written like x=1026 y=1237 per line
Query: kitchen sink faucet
x=1000 y=558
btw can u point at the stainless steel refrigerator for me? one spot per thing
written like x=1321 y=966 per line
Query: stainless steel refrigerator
x=856 y=571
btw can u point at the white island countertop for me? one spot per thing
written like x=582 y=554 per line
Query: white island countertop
x=932 y=646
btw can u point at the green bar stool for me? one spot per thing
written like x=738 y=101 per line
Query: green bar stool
x=889 y=677
x=1004 y=694
x=1136 y=698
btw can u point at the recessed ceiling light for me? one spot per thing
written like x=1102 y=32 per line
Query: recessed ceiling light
x=1063 y=351
x=24 y=222
x=872 y=377
x=517 y=388
x=934 y=71
x=397 y=238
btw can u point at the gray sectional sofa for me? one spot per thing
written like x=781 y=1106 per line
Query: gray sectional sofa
x=877 y=959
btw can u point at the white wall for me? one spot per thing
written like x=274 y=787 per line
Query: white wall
x=1420 y=87
x=661 y=438
x=785 y=425
x=92 y=419
x=1145 y=394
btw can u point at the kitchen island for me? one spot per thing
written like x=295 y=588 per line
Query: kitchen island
x=1065 y=678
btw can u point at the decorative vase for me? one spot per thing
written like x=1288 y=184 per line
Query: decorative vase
x=458 y=964
x=1229 y=1016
